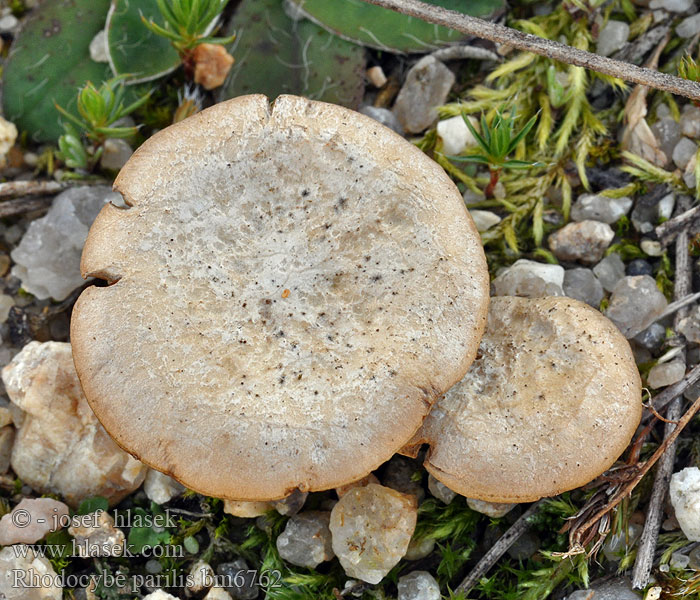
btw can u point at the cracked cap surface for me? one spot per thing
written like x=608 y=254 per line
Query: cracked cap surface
x=292 y=289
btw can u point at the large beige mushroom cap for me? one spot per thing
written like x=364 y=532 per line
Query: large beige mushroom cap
x=293 y=287
x=550 y=402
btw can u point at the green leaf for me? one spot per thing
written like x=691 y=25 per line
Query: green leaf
x=275 y=55
x=523 y=132
x=472 y=158
x=117 y=132
x=538 y=223
x=191 y=544
x=387 y=30
x=72 y=152
x=143 y=537
x=91 y=505
x=142 y=53
x=486 y=131
x=510 y=237
x=482 y=141
x=48 y=61
x=521 y=164
x=558 y=96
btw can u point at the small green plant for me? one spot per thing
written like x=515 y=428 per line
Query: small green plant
x=689 y=69
x=497 y=142
x=99 y=109
x=187 y=23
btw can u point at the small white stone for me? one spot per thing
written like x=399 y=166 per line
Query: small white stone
x=672 y=5
x=689 y=26
x=684 y=492
x=689 y=325
x=418 y=585
x=651 y=247
x=291 y=504
x=95 y=535
x=98 y=47
x=15 y=559
x=662 y=110
x=685 y=149
x=426 y=86
x=160 y=595
x=376 y=76
x=600 y=208
x=665 y=374
x=530 y=279
x=653 y=593
x=60 y=445
x=495 y=510
x=582 y=284
x=8 y=23
x=371 y=528
x=8 y=136
x=218 y=593
x=247 y=510
x=612 y=37
x=202 y=577
x=609 y=271
x=31 y=520
x=455 y=134
x=116 y=153
x=665 y=206
x=440 y=491
x=6 y=303
x=690 y=121
x=585 y=241
x=484 y=219
x=636 y=302
x=306 y=539
x=30 y=159
x=47 y=260
x=13 y=233
x=383 y=116
x=679 y=560
x=161 y=488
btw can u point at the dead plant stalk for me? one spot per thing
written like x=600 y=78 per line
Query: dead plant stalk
x=544 y=47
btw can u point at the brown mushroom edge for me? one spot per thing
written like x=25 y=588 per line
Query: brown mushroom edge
x=551 y=401
x=215 y=356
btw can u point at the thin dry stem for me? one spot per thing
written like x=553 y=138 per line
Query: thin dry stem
x=626 y=489
x=650 y=535
x=549 y=48
x=498 y=549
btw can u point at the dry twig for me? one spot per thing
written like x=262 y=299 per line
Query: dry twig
x=549 y=48
x=464 y=52
x=20 y=206
x=16 y=189
x=679 y=304
x=673 y=391
x=667 y=231
x=581 y=534
x=647 y=543
x=498 y=549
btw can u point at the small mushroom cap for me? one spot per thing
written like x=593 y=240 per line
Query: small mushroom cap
x=551 y=401
x=292 y=289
